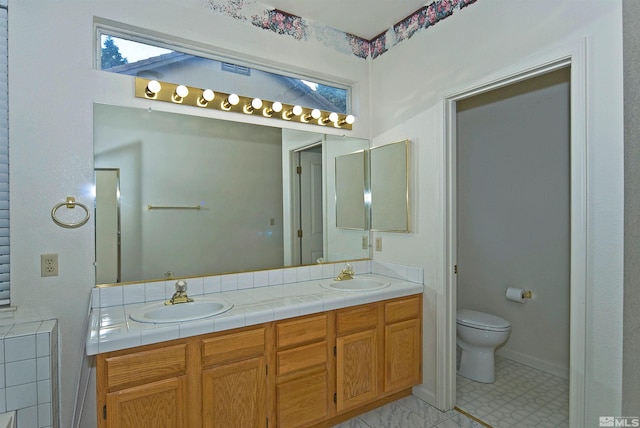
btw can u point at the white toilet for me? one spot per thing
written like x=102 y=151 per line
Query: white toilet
x=478 y=336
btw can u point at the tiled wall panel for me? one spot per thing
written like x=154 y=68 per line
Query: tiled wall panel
x=29 y=373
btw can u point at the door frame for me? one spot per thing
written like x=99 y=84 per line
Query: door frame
x=292 y=194
x=573 y=56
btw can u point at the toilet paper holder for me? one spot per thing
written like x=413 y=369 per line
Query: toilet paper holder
x=518 y=295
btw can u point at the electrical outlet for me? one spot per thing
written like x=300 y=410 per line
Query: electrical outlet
x=49 y=264
x=365 y=242
x=379 y=243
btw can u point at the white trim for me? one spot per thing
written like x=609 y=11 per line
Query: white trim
x=575 y=56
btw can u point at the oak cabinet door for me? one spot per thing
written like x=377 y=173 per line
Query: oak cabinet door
x=402 y=355
x=302 y=401
x=159 y=404
x=234 y=395
x=356 y=369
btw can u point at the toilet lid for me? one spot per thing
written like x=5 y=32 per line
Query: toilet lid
x=478 y=319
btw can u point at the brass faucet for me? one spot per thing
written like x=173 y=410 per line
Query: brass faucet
x=180 y=296
x=347 y=273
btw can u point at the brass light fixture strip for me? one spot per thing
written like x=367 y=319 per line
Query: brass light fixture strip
x=168 y=90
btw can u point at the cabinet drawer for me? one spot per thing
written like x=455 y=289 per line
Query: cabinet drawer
x=302 y=330
x=400 y=310
x=145 y=366
x=302 y=357
x=357 y=319
x=233 y=346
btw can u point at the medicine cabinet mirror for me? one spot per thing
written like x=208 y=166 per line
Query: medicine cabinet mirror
x=390 y=187
x=352 y=173
x=199 y=196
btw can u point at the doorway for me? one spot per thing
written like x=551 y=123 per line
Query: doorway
x=569 y=56
x=512 y=181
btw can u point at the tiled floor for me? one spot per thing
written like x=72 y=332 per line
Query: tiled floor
x=521 y=396
x=410 y=412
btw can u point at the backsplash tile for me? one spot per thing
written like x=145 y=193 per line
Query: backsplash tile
x=133 y=293
x=229 y=282
x=111 y=296
x=212 y=284
x=260 y=279
x=161 y=290
x=276 y=277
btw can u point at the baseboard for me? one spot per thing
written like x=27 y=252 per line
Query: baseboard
x=545 y=366
x=424 y=394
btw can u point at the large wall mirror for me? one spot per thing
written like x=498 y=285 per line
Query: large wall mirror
x=198 y=196
x=390 y=187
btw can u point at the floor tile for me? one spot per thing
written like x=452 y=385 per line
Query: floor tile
x=521 y=396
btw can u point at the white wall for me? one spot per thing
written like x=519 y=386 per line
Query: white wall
x=477 y=45
x=513 y=214
x=52 y=49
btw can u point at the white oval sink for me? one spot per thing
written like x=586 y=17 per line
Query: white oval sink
x=356 y=284
x=161 y=313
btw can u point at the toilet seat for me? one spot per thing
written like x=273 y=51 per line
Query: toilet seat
x=481 y=320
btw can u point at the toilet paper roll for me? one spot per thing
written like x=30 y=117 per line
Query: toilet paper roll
x=516 y=294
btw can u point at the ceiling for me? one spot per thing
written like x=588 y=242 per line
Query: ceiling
x=363 y=18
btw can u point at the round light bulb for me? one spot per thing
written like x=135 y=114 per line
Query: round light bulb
x=182 y=91
x=297 y=110
x=350 y=119
x=153 y=86
x=315 y=113
x=333 y=117
x=256 y=103
x=277 y=107
x=208 y=95
x=233 y=99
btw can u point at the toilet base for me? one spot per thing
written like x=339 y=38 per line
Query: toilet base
x=478 y=365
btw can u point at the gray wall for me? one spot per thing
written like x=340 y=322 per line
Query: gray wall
x=513 y=213
x=631 y=345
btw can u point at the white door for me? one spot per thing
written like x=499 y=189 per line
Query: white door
x=311 y=220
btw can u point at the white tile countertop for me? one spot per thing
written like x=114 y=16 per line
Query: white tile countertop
x=110 y=328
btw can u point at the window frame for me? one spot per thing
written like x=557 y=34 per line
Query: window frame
x=204 y=51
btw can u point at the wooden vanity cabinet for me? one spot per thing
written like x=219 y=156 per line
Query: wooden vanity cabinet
x=303 y=382
x=314 y=370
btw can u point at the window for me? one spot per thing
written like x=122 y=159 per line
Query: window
x=119 y=54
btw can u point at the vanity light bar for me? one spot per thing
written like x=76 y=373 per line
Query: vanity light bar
x=206 y=98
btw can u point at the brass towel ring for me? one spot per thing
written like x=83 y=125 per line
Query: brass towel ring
x=70 y=203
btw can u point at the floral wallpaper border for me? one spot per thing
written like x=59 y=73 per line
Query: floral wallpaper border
x=286 y=24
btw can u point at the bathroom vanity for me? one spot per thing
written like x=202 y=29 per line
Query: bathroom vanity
x=316 y=368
